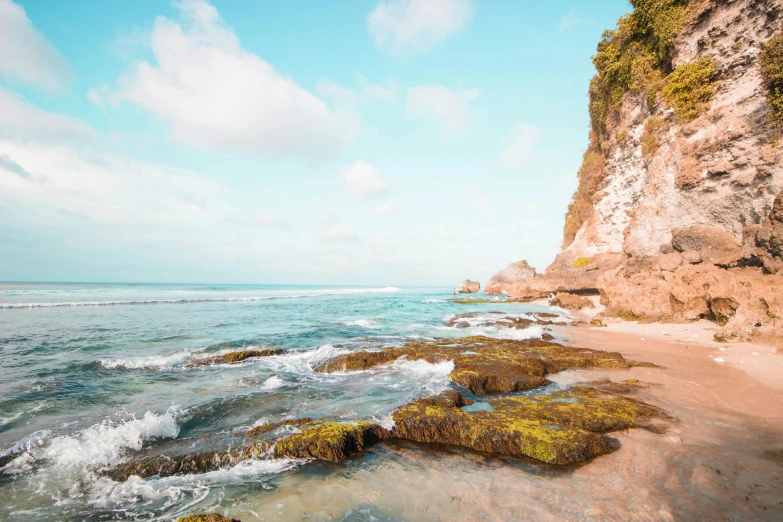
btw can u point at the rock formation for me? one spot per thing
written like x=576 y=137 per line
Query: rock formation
x=513 y=273
x=236 y=357
x=571 y=301
x=486 y=365
x=556 y=427
x=559 y=428
x=678 y=214
x=470 y=287
x=207 y=517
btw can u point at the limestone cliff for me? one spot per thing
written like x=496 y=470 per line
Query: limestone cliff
x=679 y=213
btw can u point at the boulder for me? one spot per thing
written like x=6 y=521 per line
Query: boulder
x=332 y=441
x=470 y=287
x=513 y=273
x=571 y=301
x=709 y=241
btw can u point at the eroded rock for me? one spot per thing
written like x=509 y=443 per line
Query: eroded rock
x=236 y=357
x=331 y=441
x=514 y=273
x=561 y=428
x=571 y=301
x=487 y=365
x=470 y=287
x=208 y=517
x=188 y=463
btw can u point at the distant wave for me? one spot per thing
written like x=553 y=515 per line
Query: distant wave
x=315 y=293
x=362 y=323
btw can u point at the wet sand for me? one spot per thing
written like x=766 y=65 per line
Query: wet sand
x=721 y=457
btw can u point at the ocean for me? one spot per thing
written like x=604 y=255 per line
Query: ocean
x=93 y=373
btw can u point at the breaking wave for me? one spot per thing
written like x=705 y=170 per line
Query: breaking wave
x=313 y=293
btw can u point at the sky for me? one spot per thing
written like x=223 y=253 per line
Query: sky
x=364 y=142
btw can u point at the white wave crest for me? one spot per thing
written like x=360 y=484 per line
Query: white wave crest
x=106 y=493
x=531 y=332
x=312 y=293
x=103 y=444
x=273 y=383
x=363 y=323
x=152 y=361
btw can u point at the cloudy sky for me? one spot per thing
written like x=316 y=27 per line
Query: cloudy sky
x=396 y=142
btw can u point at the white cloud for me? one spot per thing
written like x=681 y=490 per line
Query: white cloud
x=337 y=233
x=519 y=144
x=23 y=121
x=400 y=25
x=371 y=91
x=266 y=219
x=450 y=110
x=570 y=20
x=363 y=181
x=384 y=208
x=217 y=96
x=26 y=55
x=74 y=180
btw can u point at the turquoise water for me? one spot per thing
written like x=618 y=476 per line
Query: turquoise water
x=93 y=373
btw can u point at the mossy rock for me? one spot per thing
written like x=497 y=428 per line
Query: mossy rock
x=235 y=357
x=331 y=441
x=188 y=463
x=582 y=262
x=562 y=428
x=271 y=426
x=771 y=64
x=208 y=517
x=486 y=365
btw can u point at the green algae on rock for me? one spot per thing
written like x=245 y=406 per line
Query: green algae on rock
x=487 y=365
x=331 y=441
x=188 y=463
x=235 y=357
x=208 y=517
x=560 y=428
x=271 y=426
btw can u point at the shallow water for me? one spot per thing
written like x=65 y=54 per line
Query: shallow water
x=86 y=385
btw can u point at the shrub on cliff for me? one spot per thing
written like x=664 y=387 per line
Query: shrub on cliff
x=771 y=63
x=690 y=88
x=635 y=55
x=590 y=176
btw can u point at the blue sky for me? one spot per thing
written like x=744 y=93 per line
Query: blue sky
x=404 y=142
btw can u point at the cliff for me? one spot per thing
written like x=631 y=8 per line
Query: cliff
x=679 y=214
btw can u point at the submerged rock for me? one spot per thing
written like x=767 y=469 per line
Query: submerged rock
x=235 y=357
x=208 y=517
x=487 y=365
x=561 y=428
x=271 y=426
x=498 y=320
x=187 y=463
x=331 y=441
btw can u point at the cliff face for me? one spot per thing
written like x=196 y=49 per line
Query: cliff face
x=676 y=214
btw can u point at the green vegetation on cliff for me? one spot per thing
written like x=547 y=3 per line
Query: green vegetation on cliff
x=634 y=56
x=690 y=88
x=771 y=63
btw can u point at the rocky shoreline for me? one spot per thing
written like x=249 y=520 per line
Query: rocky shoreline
x=501 y=403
